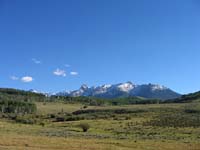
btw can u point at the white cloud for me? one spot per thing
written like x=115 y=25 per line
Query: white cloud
x=26 y=79
x=14 y=78
x=67 y=65
x=36 y=61
x=59 y=72
x=74 y=73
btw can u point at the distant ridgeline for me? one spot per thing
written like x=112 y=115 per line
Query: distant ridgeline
x=18 y=101
x=127 y=89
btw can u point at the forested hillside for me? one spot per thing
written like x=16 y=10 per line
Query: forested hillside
x=192 y=97
x=20 y=95
x=18 y=101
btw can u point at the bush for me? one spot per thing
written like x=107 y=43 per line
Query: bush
x=52 y=115
x=42 y=124
x=127 y=118
x=84 y=126
x=85 y=106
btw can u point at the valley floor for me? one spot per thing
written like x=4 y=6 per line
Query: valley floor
x=116 y=132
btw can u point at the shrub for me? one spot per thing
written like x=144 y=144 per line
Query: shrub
x=42 y=124
x=127 y=118
x=52 y=115
x=84 y=126
x=85 y=106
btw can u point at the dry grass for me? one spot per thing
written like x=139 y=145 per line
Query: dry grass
x=14 y=136
x=45 y=108
x=27 y=142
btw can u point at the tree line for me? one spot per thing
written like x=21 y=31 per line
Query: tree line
x=11 y=106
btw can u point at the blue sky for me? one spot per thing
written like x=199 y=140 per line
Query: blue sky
x=52 y=45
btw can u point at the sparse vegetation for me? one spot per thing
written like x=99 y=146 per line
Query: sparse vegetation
x=176 y=120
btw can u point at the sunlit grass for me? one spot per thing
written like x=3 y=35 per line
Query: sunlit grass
x=112 y=133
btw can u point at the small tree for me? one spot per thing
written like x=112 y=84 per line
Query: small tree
x=84 y=126
x=85 y=106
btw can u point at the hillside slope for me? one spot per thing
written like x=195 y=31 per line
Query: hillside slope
x=192 y=97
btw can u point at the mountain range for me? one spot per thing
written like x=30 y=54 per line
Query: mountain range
x=127 y=89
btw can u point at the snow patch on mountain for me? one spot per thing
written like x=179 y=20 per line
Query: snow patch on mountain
x=123 y=90
x=126 y=87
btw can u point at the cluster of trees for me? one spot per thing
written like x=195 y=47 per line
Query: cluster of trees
x=134 y=100
x=11 y=106
x=18 y=101
x=93 y=101
x=20 y=95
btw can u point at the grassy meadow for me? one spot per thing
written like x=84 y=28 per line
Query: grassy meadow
x=56 y=125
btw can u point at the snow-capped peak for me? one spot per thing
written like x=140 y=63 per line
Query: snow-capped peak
x=126 y=87
x=123 y=89
x=105 y=86
x=84 y=87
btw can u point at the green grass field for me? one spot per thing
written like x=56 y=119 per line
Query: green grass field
x=111 y=128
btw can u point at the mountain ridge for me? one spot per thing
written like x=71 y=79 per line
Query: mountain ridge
x=126 y=89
